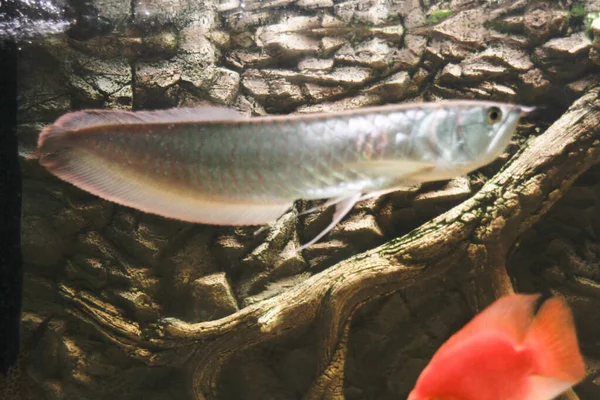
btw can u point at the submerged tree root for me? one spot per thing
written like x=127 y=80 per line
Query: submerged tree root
x=477 y=236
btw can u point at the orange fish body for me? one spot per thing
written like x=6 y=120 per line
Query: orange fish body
x=507 y=353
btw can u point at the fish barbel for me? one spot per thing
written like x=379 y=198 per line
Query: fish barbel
x=215 y=166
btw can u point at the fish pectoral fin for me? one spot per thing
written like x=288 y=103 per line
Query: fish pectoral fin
x=342 y=207
x=391 y=168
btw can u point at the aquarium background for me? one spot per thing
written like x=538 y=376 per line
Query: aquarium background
x=109 y=276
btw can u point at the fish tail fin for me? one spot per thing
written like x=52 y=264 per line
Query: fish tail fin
x=55 y=153
x=553 y=340
x=50 y=139
x=57 y=139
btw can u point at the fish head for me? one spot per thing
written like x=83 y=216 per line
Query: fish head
x=474 y=133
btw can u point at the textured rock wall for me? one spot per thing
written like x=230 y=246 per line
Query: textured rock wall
x=158 y=309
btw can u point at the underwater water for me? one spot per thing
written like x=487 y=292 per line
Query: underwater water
x=26 y=20
x=122 y=304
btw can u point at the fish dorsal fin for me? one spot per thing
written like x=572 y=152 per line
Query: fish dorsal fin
x=553 y=340
x=391 y=168
x=510 y=315
x=91 y=118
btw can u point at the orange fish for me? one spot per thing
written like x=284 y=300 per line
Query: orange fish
x=507 y=353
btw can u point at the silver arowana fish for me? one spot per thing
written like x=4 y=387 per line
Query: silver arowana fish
x=215 y=166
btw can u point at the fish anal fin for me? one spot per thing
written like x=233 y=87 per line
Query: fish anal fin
x=553 y=340
x=157 y=196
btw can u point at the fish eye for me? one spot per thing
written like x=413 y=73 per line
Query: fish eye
x=494 y=114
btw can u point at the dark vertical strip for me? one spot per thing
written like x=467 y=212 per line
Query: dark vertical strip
x=11 y=270
x=135 y=104
x=132 y=10
x=133 y=63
